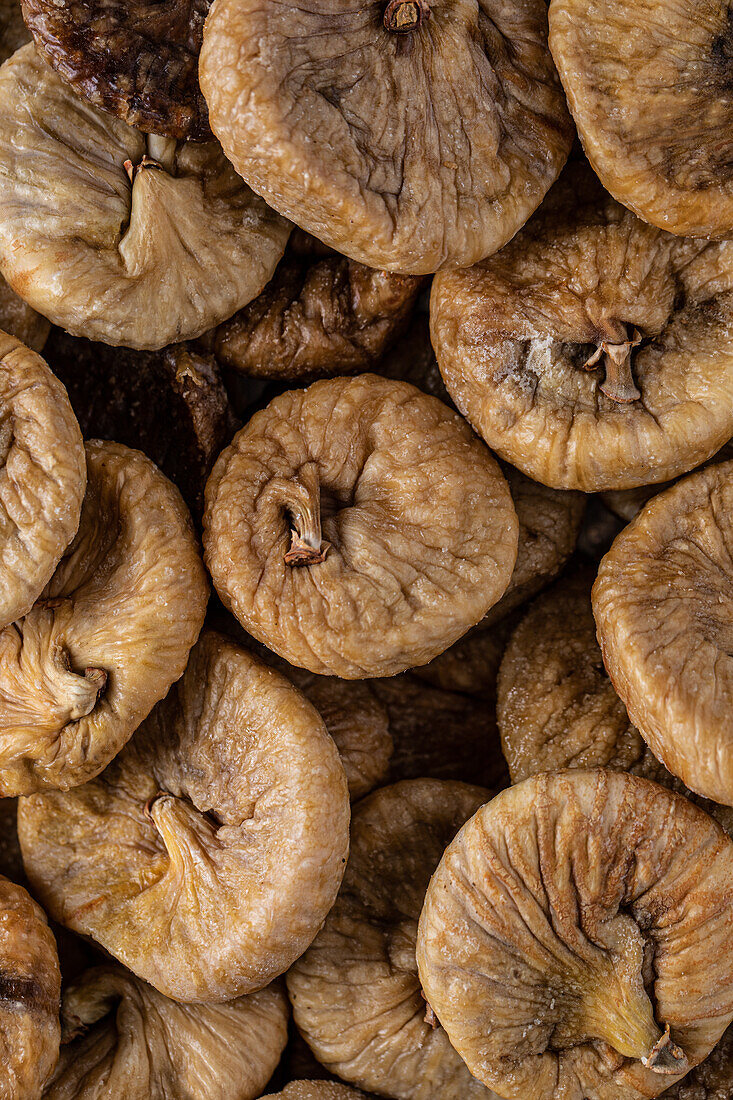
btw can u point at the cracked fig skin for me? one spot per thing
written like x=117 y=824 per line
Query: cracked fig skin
x=132 y=240
x=577 y=938
x=110 y=633
x=358 y=527
x=594 y=351
x=408 y=136
x=207 y=855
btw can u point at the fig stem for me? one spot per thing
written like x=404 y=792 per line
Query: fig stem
x=666 y=1057
x=618 y=384
x=403 y=16
x=303 y=551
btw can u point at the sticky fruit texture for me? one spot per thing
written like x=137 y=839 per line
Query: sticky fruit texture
x=320 y=315
x=662 y=605
x=576 y=938
x=593 y=351
x=110 y=633
x=132 y=240
x=122 y=1040
x=30 y=987
x=316 y=1090
x=207 y=855
x=648 y=84
x=137 y=60
x=13 y=31
x=358 y=527
x=627 y=504
x=408 y=140
x=356 y=993
x=19 y=320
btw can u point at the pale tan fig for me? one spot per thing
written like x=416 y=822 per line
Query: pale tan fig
x=207 y=855
x=409 y=135
x=316 y=1090
x=129 y=239
x=358 y=527
x=30 y=987
x=110 y=633
x=122 y=1040
x=593 y=351
x=577 y=938
x=13 y=31
x=355 y=993
x=19 y=320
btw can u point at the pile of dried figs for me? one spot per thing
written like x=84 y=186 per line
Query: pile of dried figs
x=366 y=550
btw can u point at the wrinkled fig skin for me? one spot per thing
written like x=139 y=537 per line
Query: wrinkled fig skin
x=593 y=351
x=141 y=256
x=316 y=1090
x=30 y=987
x=110 y=634
x=13 y=31
x=207 y=855
x=124 y=1041
x=627 y=504
x=42 y=477
x=19 y=320
x=355 y=993
x=137 y=59
x=358 y=527
x=572 y=921
x=664 y=612
x=648 y=84
x=406 y=152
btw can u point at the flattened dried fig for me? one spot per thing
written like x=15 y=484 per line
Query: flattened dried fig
x=137 y=59
x=648 y=83
x=409 y=136
x=42 y=479
x=122 y=1040
x=315 y=1090
x=118 y=237
x=358 y=527
x=576 y=938
x=355 y=993
x=207 y=855
x=13 y=31
x=663 y=604
x=30 y=986
x=593 y=351
x=19 y=320
x=110 y=634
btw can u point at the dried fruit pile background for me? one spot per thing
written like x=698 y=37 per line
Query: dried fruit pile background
x=366 y=550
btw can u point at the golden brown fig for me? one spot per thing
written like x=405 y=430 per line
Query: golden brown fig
x=19 y=320
x=648 y=86
x=315 y=1090
x=358 y=527
x=576 y=939
x=13 y=31
x=409 y=135
x=122 y=1040
x=123 y=238
x=593 y=351
x=355 y=993
x=30 y=986
x=662 y=606
x=110 y=634
x=207 y=855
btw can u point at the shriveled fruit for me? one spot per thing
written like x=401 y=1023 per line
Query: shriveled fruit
x=137 y=59
x=19 y=320
x=122 y=1040
x=628 y=503
x=315 y=1090
x=663 y=604
x=207 y=855
x=409 y=135
x=111 y=631
x=355 y=993
x=593 y=351
x=13 y=31
x=358 y=527
x=119 y=237
x=648 y=84
x=30 y=986
x=576 y=938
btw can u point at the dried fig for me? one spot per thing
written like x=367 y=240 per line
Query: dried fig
x=42 y=479
x=662 y=604
x=315 y=1090
x=627 y=503
x=409 y=136
x=593 y=351
x=138 y=60
x=30 y=986
x=648 y=84
x=207 y=855
x=13 y=31
x=358 y=527
x=576 y=938
x=712 y=1079
x=118 y=237
x=122 y=1040
x=110 y=634
x=355 y=993
x=19 y=320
